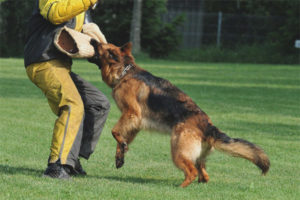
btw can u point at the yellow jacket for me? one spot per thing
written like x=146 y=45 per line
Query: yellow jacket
x=48 y=17
x=60 y=11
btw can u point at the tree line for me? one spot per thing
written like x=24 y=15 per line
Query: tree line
x=157 y=38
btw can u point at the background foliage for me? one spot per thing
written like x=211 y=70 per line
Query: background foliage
x=157 y=38
x=161 y=39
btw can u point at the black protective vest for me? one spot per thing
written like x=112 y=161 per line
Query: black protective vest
x=39 y=45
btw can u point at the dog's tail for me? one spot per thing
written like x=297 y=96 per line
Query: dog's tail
x=237 y=147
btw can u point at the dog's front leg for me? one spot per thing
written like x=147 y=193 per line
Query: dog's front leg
x=124 y=132
x=122 y=147
x=120 y=154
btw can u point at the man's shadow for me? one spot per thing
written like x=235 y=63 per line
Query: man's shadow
x=6 y=169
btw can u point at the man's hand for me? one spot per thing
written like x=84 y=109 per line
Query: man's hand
x=94 y=31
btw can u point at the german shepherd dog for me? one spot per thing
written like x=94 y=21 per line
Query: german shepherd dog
x=150 y=102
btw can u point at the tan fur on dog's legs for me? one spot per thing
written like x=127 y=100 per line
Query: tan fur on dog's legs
x=124 y=132
x=200 y=163
x=202 y=174
x=185 y=152
x=119 y=155
x=189 y=169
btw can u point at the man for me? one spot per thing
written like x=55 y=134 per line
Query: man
x=81 y=108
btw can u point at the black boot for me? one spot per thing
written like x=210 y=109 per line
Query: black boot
x=78 y=170
x=56 y=170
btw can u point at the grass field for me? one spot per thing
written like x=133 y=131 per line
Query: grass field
x=260 y=103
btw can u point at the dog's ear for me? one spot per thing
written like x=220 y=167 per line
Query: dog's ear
x=126 y=48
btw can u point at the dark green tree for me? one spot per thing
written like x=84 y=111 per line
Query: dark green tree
x=14 y=16
x=157 y=38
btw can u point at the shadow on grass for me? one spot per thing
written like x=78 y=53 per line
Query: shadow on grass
x=6 y=169
x=138 y=180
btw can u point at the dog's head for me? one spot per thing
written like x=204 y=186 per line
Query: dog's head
x=112 y=60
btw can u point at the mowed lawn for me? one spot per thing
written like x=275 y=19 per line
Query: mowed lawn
x=259 y=103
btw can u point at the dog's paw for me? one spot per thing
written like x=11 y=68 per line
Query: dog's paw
x=119 y=162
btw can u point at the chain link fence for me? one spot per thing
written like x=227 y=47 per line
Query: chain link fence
x=202 y=28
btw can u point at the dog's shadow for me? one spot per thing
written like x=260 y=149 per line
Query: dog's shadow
x=138 y=180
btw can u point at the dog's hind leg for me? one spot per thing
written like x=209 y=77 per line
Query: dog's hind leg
x=189 y=169
x=200 y=164
x=202 y=174
x=186 y=148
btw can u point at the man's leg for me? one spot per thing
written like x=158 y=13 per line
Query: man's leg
x=96 y=107
x=53 y=78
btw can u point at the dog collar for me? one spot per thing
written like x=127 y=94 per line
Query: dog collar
x=126 y=69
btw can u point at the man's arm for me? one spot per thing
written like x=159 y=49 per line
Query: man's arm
x=60 y=11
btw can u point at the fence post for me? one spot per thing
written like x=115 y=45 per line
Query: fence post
x=219 y=29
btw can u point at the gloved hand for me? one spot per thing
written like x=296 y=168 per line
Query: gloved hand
x=74 y=44
x=93 y=30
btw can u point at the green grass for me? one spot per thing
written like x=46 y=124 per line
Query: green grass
x=260 y=103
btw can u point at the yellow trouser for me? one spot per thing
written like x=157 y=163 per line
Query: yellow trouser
x=53 y=78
